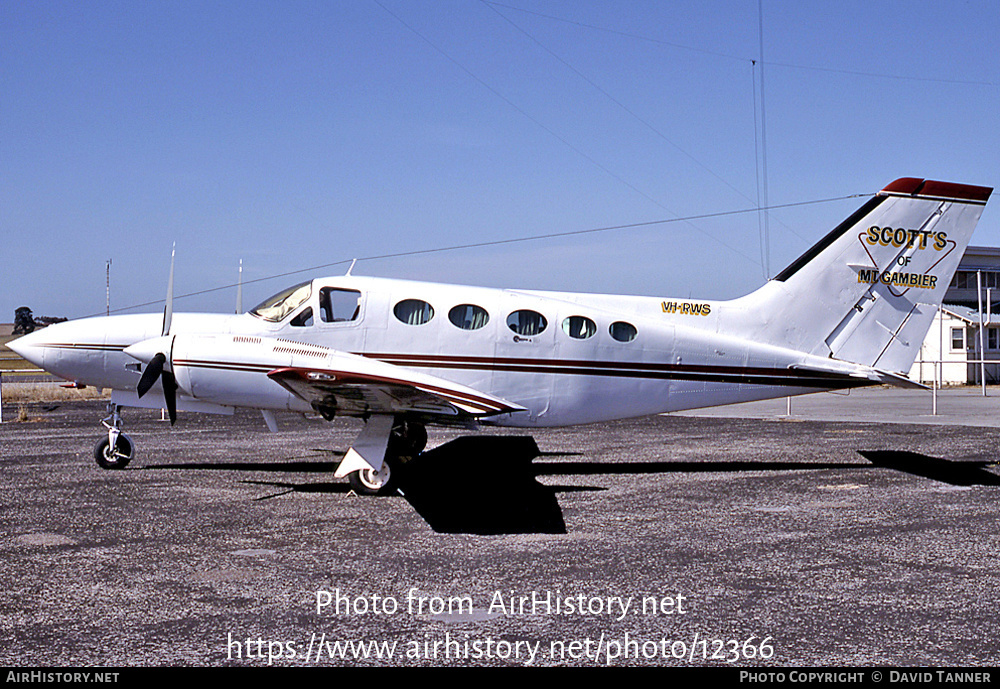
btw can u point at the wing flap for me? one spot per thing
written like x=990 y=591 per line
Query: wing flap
x=356 y=386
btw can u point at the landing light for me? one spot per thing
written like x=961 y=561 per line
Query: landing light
x=315 y=375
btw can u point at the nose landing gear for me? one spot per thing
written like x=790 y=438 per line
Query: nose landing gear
x=117 y=450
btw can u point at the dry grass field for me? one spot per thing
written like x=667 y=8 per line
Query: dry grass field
x=23 y=385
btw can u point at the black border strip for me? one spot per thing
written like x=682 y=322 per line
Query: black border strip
x=829 y=239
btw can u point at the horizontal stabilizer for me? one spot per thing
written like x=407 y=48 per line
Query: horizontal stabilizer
x=895 y=379
x=865 y=372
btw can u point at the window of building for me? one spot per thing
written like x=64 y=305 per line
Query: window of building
x=967 y=279
x=993 y=338
x=579 y=327
x=527 y=322
x=339 y=305
x=957 y=339
x=413 y=311
x=622 y=331
x=468 y=316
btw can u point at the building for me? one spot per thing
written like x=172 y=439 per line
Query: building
x=954 y=336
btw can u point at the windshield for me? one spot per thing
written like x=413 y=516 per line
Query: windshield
x=283 y=303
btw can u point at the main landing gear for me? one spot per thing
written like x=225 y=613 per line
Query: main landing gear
x=407 y=439
x=115 y=451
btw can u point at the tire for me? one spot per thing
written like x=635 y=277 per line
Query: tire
x=367 y=482
x=117 y=459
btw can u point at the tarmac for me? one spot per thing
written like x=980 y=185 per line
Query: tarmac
x=960 y=405
x=859 y=532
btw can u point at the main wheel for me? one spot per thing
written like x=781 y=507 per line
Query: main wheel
x=367 y=481
x=117 y=458
x=408 y=439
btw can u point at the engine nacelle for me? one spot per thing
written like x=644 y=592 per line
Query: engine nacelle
x=232 y=369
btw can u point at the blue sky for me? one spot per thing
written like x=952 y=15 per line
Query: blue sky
x=298 y=134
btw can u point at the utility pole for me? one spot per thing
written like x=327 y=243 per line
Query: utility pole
x=107 y=287
x=982 y=347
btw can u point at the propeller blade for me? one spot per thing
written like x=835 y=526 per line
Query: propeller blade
x=168 y=308
x=152 y=371
x=170 y=395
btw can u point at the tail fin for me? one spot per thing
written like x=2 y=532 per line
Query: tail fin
x=868 y=291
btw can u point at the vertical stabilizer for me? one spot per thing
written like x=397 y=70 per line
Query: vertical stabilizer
x=867 y=292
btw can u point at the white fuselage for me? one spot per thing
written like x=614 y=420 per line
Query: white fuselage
x=598 y=357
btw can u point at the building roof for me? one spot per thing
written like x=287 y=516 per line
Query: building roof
x=970 y=315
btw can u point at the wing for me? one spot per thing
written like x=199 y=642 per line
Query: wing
x=356 y=386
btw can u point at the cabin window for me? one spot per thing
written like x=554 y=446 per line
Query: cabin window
x=957 y=339
x=303 y=319
x=622 y=331
x=527 y=322
x=413 y=311
x=339 y=305
x=276 y=307
x=468 y=316
x=579 y=327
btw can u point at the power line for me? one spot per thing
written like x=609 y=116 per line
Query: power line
x=551 y=131
x=495 y=242
x=614 y=100
x=763 y=145
x=695 y=49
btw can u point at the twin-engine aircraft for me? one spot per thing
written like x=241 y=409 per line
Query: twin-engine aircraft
x=851 y=312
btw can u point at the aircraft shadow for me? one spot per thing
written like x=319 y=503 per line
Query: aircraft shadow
x=280 y=467
x=599 y=468
x=326 y=487
x=488 y=485
x=505 y=495
x=950 y=471
x=481 y=485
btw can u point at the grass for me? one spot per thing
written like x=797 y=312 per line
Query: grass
x=20 y=393
x=10 y=360
x=23 y=393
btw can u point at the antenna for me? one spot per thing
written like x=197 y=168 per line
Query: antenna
x=239 y=290
x=107 y=290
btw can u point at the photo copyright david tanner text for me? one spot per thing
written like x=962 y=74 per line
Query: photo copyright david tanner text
x=598 y=648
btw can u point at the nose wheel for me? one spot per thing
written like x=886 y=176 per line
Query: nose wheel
x=116 y=457
x=116 y=450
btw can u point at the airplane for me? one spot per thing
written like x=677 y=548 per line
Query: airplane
x=852 y=311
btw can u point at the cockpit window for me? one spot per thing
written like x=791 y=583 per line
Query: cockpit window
x=339 y=305
x=304 y=318
x=283 y=303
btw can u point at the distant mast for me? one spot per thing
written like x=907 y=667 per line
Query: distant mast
x=239 y=290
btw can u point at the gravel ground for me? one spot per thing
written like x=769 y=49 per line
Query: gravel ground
x=656 y=541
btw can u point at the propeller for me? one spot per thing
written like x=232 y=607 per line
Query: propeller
x=156 y=353
x=156 y=369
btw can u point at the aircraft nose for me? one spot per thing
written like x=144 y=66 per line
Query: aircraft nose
x=30 y=347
